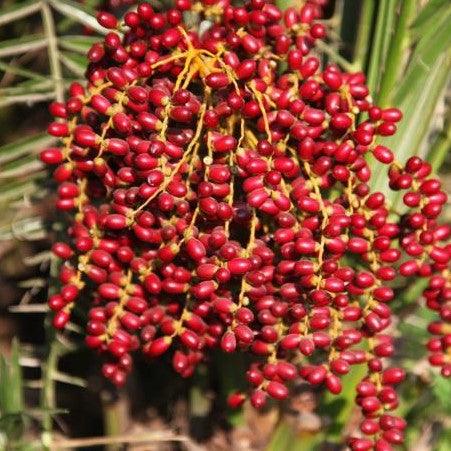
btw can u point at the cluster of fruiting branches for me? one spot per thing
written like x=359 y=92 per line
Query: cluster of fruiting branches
x=217 y=183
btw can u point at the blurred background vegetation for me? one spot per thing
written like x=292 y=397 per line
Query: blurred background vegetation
x=50 y=388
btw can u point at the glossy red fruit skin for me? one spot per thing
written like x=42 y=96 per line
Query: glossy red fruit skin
x=107 y=20
x=62 y=250
x=115 y=222
x=393 y=376
x=258 y=399
x=228 y=342
x=277 y=390
x=235 y=400
x=58 y=129
x=51 y=156
x=157 y=347
x=195 y=249
x=60 y=319
x=196 y=172
x=333 y=384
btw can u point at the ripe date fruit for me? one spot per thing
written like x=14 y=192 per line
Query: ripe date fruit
x=211 y=204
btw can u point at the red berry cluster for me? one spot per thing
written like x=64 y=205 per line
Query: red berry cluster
x=216 y=179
